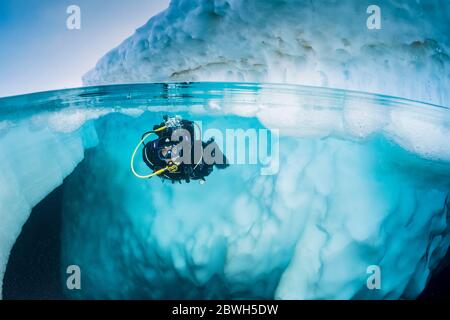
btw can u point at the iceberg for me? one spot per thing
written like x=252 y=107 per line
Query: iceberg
x=363 y=179
x=319 y=43
x=324 y=44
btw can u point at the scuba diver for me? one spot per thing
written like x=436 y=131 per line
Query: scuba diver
x=176 y=154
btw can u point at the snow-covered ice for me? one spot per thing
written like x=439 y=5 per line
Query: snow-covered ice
x=322 y=43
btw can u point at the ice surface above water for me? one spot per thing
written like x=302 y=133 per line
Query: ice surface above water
x=370 y=177
x=320 y=43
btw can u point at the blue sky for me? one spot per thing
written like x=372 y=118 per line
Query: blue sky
x=38 y=52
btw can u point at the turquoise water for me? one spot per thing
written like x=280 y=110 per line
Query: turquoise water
x=344 y=180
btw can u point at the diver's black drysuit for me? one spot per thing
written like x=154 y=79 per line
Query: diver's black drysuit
x=174 y=145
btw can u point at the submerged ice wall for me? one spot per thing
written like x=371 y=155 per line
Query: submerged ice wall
x=310 y=231
x=34 y=161
x=362 y=177
x=321 y=43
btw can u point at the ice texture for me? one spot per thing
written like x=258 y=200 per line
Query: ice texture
x=321 y=43
x=336 y=207
x=34 y=161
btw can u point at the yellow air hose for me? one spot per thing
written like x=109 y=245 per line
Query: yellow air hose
x=171 y=168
